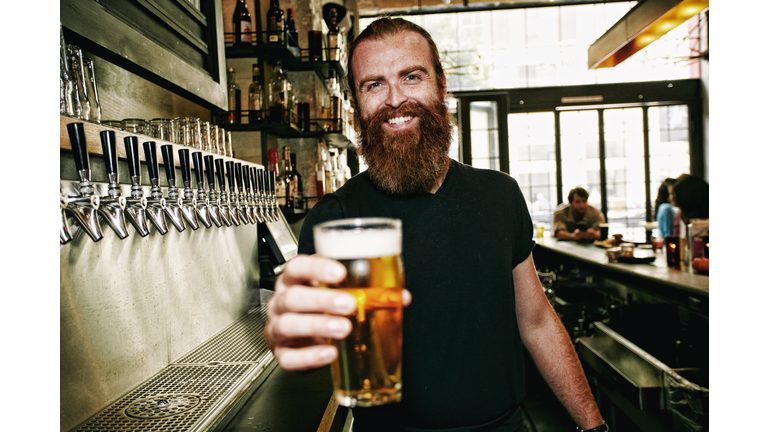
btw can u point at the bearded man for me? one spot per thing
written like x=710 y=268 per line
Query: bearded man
x=474 y=300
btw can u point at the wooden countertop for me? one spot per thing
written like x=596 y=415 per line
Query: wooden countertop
x=657 y=272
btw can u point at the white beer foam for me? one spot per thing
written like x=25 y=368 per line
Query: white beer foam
x=353 y=244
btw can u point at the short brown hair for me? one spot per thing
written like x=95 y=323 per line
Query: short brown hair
x=580 y=191
x=384 y=27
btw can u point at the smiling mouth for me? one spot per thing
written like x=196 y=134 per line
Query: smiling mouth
x=399 y=120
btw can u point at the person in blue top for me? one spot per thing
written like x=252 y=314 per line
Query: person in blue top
x=664 y=211
x=474 y=300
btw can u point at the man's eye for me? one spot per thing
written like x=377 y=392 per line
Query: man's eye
x=373 y=85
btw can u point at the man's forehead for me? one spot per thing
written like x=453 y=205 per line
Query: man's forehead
x=400 y=40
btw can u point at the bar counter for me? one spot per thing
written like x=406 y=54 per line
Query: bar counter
x=676 y=284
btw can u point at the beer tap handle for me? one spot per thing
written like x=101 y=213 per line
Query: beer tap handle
x=209 y=173
x=184 y=162
x=109 y=149
x=170 y=166
x=260 y=180
x=220 y=173
x=239 y=175
x=254 y=180
x=271 y=183
x=79 y=147
x=231 y=175
x=150 y=153
x=197 y=160
x=132 y=151
x=246 y=176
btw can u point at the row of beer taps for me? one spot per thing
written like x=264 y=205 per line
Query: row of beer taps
x=250 y=199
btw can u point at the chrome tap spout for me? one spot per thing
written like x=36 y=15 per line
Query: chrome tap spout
x=235 y=205
x=266 y=215
x=255 y=187
x=112 y=206
x=224 y=206
x=202 y=205
x=174 y=203
x=247 y=198
x=136 y=205
x=113 y=211
x=136 y=213
x=85 y=212
x=83 y=207
x=216 y=202
x=157 y=204
x=64 y=234
x=188 y=202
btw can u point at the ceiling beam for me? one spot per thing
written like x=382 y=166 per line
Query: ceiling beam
x=646 y=22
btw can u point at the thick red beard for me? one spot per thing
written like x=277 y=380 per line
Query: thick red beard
x=409 y=161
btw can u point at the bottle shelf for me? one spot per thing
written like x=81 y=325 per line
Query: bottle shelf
x=293 y=59
x=289 y=130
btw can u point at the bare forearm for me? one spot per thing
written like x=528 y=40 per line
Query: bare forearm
x=554 y=355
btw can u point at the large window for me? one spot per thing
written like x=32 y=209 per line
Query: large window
x=532 y=162
x=547 y=46
x=485 y=134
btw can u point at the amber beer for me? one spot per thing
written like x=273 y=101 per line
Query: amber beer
x=367 y=372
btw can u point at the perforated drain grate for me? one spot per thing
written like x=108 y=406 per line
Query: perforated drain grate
x=186 y=395
x=161 y=406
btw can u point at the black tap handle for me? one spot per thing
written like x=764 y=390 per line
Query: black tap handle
x=109 y=149
x=254 y=178
x=150 y=154
x=239 y=174
x=246 y=174
x=220 y=173
x=260 y=175
x=231 y=175
x=272 y=182
x=170 y=166
x=79 y=146
x=197 y=160
x=132 y=150
x=209 y=171
x=184 y=161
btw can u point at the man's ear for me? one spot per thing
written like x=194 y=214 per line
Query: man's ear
x=445 y=85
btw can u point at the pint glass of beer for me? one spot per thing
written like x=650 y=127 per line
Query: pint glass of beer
x=367 y=372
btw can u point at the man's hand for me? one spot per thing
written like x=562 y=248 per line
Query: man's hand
x=301 y=318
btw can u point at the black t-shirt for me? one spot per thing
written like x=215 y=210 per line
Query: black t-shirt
x=462 y=353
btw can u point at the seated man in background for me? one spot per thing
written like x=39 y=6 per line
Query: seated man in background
x=578 y=220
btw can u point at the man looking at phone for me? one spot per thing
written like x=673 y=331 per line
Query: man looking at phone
x=578 y=220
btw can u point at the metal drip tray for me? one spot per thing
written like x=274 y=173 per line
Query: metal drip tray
x=200 y=390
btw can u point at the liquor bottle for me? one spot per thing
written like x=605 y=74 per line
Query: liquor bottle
x=275 y=23
x=320 y=169
x=241 y=24
x=277 y=95
x=291 y=33
x=299 y=197
x=289 y=180
x=233 y=97
x=328 y=168
x=279 y=185
x=255 y=98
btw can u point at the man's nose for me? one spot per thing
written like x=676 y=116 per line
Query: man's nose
x=396 y=96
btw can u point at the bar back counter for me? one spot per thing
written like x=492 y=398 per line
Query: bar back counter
x=641 y=332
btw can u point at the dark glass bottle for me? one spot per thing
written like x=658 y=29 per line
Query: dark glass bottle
x=289 y=180
x=256 y=112
x=299 y=197
x=275 y=23
x=241 y=24
x=291 y=33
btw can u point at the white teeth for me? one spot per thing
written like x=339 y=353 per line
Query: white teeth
x=399 y=120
